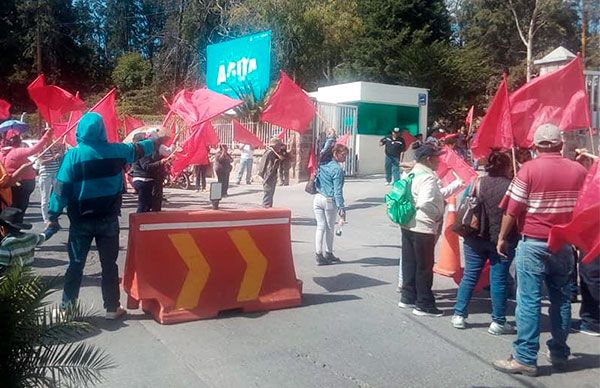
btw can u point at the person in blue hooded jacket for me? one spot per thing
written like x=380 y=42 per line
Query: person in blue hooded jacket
x=89 y=183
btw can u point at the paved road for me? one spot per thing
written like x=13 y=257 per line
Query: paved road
x=349 y=331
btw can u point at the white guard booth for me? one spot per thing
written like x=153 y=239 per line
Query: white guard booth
x=381 y=108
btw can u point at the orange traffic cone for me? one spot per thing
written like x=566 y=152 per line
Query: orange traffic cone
x=449 y=261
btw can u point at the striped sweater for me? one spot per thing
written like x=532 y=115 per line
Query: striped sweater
x=543 y=194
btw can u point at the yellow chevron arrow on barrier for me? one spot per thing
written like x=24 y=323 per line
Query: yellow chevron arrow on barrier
x=198 y=270
x=256 y=265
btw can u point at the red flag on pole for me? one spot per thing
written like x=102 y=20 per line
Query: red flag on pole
x=558 y=98
x=584 y=229
x=289 y=107
x=4 y=109
x=469 y=119
x=201 y=105
x=451 y=163
x=107 y=109
x=71 y=137
x=194 y=149
x=52 y=101
x=130 y=123
x=496 y=129
x=244 y=136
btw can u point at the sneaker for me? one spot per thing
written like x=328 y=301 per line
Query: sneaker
x=403 y=305
x=388 y=183
x=329 y=256
x=428 y=312
x=112 y=315
x=498 y=329
x=560 y=364
x=589 y=331
x=458 y=322
x=321 y=260
x=514 y=367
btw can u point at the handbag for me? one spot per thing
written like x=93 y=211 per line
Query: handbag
x=469 y=213
x=311 y=185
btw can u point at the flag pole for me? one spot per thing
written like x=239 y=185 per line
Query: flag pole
x=592 y=140
x=70 y=128
x=514 y=160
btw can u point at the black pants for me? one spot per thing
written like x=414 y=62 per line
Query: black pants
x=417 y=268
x=590 y=295
x=21 y=194
x=269 y=192
x=200 y=171
x=223 y=179
x=157 y=194
x=144 y=190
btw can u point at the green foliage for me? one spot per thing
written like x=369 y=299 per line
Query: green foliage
x=36 y=348
x=132 y=72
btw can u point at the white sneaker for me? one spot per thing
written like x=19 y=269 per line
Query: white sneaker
x=406 y=305
x=112 y=315
x=498 y=329
x=459 y=322
x=388 y=183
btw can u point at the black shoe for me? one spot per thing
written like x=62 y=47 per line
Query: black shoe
x=427 y=312
x=329 y=256
x=321 y=260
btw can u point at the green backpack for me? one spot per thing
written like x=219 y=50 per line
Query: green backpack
x=399 y=201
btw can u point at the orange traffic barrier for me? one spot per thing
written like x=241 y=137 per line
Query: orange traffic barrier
x=184 y=266
x=449 y=261
x=484 y=277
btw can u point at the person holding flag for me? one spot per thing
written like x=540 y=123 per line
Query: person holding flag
x=89 y=183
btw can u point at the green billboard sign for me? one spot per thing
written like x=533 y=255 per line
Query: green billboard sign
x=242 y=64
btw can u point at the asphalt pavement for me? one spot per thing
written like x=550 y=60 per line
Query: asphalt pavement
x=349 y=331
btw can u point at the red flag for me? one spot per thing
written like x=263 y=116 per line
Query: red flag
x=496 y=129
x=194 y=149
x=451 y=163
x=408 y=139
x=289 y=107
x=52 y=101
x=71 y=138
x=343 y=140
x=201 y=105
x=4 y=109
x=312 y=161
x=244 y=136
x=558 y=98
x=584 y=229
x=469 y=119
x=130 y=123
x=107 y=109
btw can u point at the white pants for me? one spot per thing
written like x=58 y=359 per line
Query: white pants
x=45 y=184
x=325 y=214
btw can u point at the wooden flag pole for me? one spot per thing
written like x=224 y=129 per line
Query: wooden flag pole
x=592 y=140
x=514 y=160
x=70 y=128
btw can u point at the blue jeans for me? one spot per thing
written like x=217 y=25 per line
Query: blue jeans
x=477 y=252
x=81 y=233
x=392 y=169
x=590 y=295
x=536 y=264
x=245 y=166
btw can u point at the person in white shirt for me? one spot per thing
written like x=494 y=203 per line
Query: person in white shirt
x=246 y=161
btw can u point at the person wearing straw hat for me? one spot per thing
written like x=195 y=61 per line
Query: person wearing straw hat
x=269 y=170
x=17 y=247
x=89 y=184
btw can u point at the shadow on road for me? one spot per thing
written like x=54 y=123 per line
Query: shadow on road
x=316 y=299
x=346 y=282
x=375 y=262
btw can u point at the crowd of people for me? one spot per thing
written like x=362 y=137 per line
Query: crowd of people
x=516 y=211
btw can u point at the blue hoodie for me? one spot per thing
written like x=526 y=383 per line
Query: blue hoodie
x=90 y=179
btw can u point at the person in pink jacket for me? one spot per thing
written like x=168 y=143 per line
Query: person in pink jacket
x=14 y=156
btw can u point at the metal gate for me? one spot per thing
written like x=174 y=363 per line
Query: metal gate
x=342 y=118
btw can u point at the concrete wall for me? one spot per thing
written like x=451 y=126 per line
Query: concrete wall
x=370 y=155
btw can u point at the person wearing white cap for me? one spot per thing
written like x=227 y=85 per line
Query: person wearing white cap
x=537 y=199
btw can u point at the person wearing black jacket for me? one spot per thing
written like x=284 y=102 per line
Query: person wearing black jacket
x=223 y=168
x=394 y=147
x=148 y=177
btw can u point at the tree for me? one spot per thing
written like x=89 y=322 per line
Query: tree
x=132 y=72
x=36 y=348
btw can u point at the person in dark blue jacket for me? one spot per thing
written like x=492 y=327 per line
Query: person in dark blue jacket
x=90 y=184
